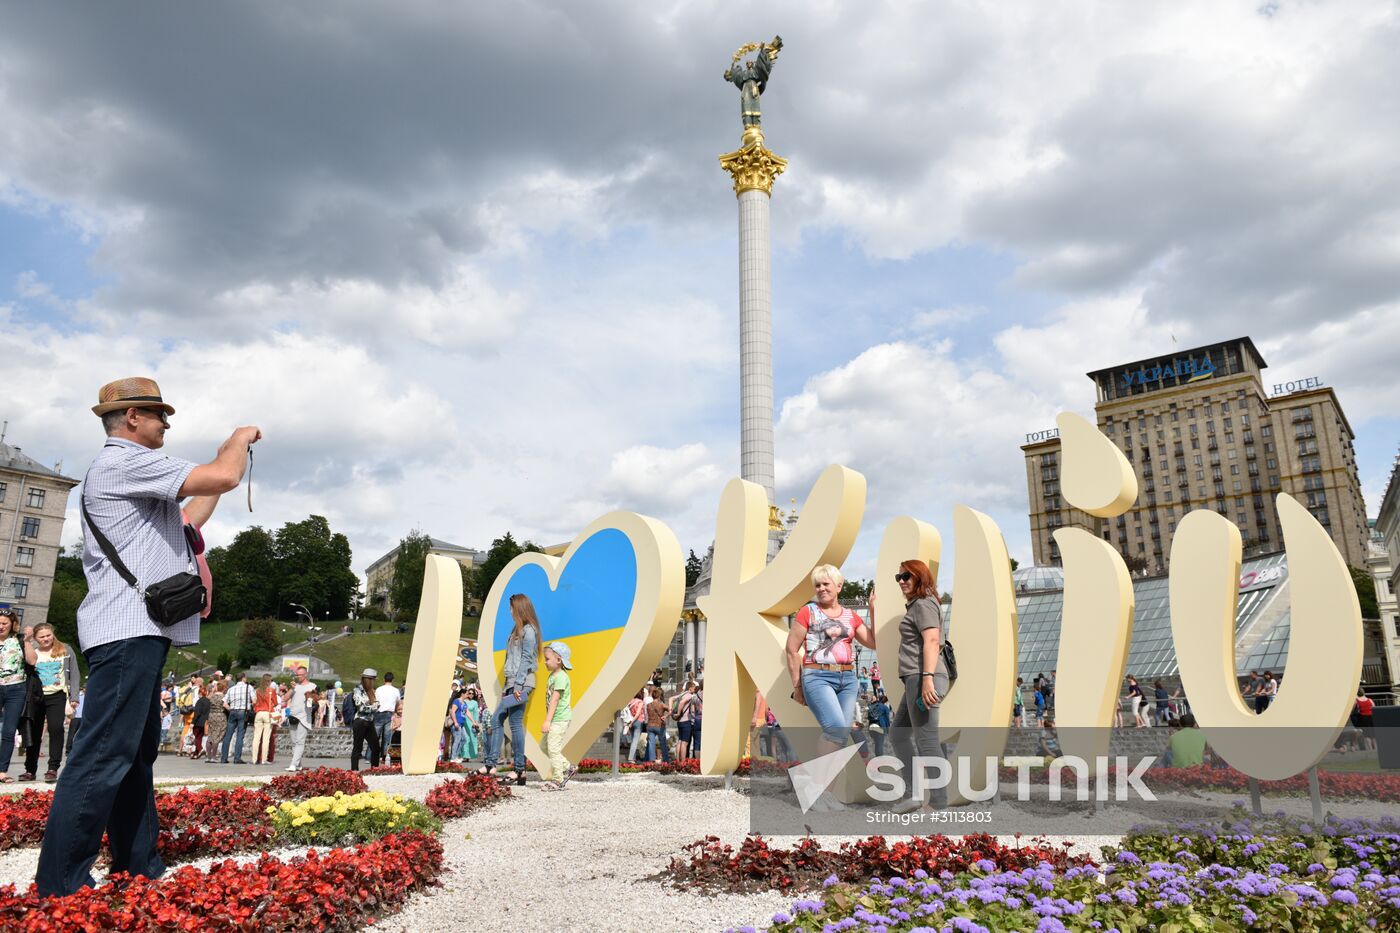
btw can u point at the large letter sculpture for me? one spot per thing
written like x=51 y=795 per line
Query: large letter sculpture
x=430 y=664
x=613 y=598
x=1324 y=651
x=616 y=594
x=1098 y=617
x=748 y=601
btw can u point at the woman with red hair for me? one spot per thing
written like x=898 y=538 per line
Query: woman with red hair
x=923 y=673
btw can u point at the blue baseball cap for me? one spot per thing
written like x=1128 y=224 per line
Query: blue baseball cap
x=561 y=649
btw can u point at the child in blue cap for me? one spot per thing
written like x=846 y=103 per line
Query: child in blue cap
x=558 y=713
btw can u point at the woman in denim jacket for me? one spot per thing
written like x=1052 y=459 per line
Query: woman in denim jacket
x=522 y=657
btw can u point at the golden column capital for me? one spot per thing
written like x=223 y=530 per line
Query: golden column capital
x=754 y=166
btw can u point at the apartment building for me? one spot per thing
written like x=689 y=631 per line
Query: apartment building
x=33 y=505
x=1202 y=431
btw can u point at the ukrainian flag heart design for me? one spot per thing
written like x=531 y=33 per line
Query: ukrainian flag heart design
x=614 y=598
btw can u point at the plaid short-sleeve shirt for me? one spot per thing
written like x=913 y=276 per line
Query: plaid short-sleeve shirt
x=132 y=494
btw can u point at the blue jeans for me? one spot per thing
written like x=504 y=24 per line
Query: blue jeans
x=107 y=784
x=639 y=731
x=657 y=734
x=381 y=728
x=831 y=696
x=237 y=722
x=11 y=706
x=513 y=710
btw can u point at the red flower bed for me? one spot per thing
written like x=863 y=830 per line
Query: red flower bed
x=22 y=818
x=452 y=799
x=193 y=823
x=1333 y=784
x=757 y=866
x=318 y=782
x=341 y=890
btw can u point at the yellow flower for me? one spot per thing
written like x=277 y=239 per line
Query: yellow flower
x=271 y=809
x=392 y=823
x=341 y=811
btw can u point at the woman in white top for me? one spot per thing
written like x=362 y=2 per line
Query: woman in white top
x=12 y=691
x=57 y=669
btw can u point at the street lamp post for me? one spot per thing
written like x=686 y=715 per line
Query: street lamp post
x=302 y=610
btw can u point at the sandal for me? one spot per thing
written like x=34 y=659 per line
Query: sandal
x=27 y=776
x=515 y=777
x=6 y=779
x=485 y=771
x=551 y=785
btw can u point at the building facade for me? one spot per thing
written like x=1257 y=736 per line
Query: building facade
x=33 y=506
x=1202 y=431
x=1385 y=570
x=380 y=574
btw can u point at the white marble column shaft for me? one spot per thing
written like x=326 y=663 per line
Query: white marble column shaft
x=755 y=341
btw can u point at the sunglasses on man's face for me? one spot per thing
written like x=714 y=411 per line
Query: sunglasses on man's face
x=903 y=577
x=158 y=413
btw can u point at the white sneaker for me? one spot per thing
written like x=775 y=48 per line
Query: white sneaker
x=292 y=768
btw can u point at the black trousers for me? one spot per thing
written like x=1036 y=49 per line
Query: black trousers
x=53 y=711
x=73 y=728
x=363 y=730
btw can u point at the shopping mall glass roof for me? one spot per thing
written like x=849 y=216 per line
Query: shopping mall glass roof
x=1261 y=621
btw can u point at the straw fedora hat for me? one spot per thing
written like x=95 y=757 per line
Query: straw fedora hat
x=133 y=392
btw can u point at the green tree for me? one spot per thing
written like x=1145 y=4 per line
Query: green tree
x=258 y=641
x=503 y=550
x=245 y=576
x=1014 y=564
x=224 y=662
x=692 y=569
x=1366 y=593
x=314 y=567
x=69 y=589
x=406 y=589
x=856 y=589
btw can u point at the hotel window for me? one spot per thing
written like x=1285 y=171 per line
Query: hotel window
x=1266 y=430
x=36 y=498
x=24 y=557
x=1240 y=519
x=21 y=586
x=1201 y=493
x=1225 y=406
x=1167 y=495
x=1273 y=482
x=1171 y=527
x=1200 y=475
x=3 y=487
x=1194 y=429
x=1234 y=469
x=1219 y=490
x=1209 y=410
x=1269 y=447
x=1108 y=428
x=1157 y=419
x=1195 y=443
x=1232 y=454
x=30 y=528
x=1229 y=438
x=1174 y=414
x=1244 y=421
x=1238 y=487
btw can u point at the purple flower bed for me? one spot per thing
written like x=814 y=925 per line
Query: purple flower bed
x=1262 y=874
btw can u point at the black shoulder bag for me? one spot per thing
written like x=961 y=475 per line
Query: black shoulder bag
x=945 y=650
x=173 y=599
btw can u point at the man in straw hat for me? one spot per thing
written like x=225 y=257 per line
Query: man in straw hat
x=131 y=496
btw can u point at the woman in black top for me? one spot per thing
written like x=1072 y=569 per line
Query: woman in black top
x=201 y=718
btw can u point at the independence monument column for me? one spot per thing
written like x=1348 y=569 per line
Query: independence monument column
x=753 y=168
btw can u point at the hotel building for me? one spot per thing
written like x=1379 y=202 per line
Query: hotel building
x=1202 y=432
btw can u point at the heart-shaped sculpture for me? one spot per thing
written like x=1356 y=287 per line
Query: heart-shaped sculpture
x=614 y=598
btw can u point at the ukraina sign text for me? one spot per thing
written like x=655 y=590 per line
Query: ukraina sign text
x=615 y=597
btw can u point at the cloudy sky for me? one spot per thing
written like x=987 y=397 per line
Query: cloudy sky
x=472 y=266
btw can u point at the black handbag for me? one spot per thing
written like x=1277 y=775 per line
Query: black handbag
x=950 y=660
x=169 y=601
